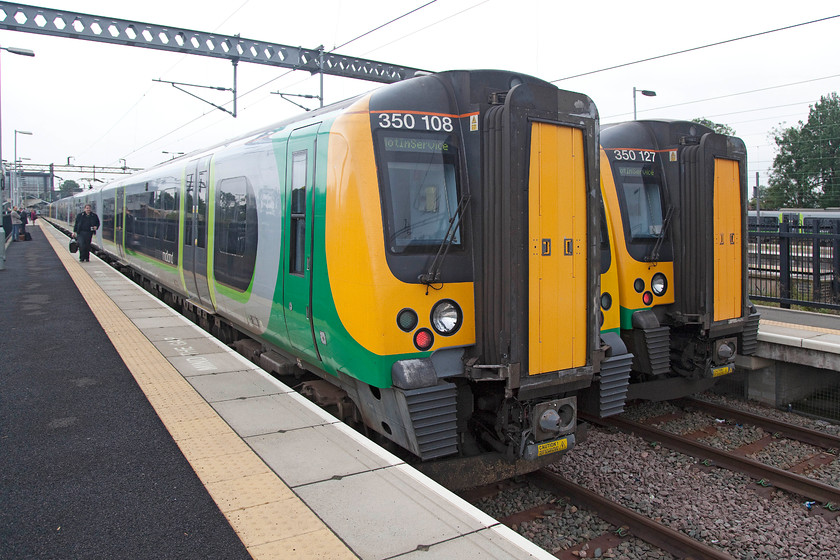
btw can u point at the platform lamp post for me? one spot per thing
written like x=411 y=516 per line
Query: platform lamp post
x=646 y=93
x=21 y=52
x=15 y=183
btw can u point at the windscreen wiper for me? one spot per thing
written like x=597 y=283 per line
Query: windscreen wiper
x=432 y=275
x=654 y=252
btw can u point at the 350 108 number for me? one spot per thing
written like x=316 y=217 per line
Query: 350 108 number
x=634 y=155
x=408 y=121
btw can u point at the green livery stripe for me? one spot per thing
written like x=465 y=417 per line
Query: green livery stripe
x=157 y=263
x=341 y=353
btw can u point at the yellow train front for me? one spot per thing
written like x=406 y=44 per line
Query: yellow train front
x=519 y=250
x=674 y=272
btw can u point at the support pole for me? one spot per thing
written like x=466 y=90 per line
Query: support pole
x=235 y=63
x=321 y=72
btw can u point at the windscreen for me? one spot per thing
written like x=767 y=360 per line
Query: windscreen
x=641 y=191
x=419 y=191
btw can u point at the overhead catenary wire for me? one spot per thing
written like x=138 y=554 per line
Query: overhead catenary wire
x=144 y=94
x=692 y=49
x=734 y=94
x=262 y=85
x=404 y=36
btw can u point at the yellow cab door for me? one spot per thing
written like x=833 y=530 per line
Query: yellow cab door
x=558 y=303
x=727 y=245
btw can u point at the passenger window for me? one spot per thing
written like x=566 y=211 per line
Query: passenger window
x=297 y=230
x=188 y=211
x=236 y=233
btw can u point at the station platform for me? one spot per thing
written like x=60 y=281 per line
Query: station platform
x=817 y=331
x=127 y=431
x=799 y=337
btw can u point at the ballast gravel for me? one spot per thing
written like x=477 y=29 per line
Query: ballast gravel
x=721 y=508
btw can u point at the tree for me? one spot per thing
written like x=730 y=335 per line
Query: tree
x=717 y=127
x=806 y=171
x=69 y=187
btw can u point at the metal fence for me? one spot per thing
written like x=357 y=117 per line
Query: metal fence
x=795 y=264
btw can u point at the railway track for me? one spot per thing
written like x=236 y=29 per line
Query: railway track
x=627 y=523
x=654 y=502
x=828 y=442
x=767 y=476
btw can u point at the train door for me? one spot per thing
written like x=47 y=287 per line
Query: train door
x=195 y=230
x=297 y=286
x=558 y=252
x=119 y=219
x=727 y=243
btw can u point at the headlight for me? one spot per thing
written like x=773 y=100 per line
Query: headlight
x=606 y=301
x=446 y=317
x=659 y=284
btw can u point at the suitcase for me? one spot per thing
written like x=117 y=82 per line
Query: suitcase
x=27 y=236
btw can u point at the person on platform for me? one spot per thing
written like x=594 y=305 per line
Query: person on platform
x=24 y=219
x=83 y=230
x=15 y=223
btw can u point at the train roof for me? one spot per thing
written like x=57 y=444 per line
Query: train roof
x=511 y=78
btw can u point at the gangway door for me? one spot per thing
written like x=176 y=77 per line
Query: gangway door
x=557 y=261
x=728 y=241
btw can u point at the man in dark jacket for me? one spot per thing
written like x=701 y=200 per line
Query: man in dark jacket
x=84 y=229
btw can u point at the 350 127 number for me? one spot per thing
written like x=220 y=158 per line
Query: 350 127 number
x=408 y=121
x=634 y=155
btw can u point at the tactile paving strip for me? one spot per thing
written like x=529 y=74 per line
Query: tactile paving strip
x=801 y=327
x=267 y=516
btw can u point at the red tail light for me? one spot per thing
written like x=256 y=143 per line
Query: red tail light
x=423 y=339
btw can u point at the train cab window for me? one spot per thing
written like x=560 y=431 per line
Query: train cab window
x=642 y=201
x=420 y=190
x=297 y=234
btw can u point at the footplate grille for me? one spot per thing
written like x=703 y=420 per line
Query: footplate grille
x=432 y=411
x=749 y=338
x=654 y=356
x=612 y=387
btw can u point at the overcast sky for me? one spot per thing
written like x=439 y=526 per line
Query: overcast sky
x=98 y=103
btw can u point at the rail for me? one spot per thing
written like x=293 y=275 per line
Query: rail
x=649 y=530
x=779 y=478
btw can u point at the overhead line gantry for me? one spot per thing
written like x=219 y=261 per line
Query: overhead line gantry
x=76 y=25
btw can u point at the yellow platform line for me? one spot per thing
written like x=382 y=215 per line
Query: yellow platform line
x=801 y=327
x=268 y=517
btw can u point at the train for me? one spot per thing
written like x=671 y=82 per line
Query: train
x=461 y=264
x=811 y=219
x=424 y=258
x=674 y=272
